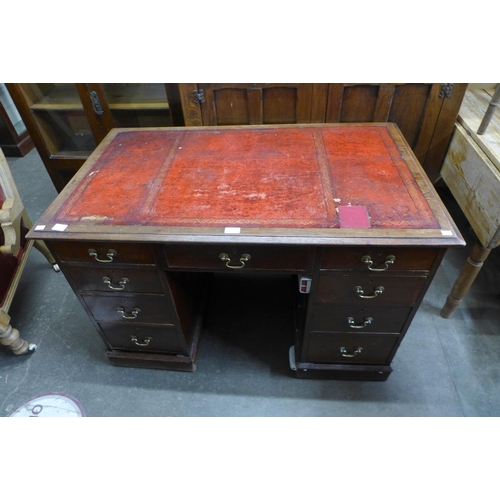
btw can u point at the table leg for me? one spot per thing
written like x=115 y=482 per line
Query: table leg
x=465 y=279
x=10 y=336
x=42 y=248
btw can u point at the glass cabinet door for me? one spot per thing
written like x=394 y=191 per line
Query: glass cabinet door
x=138 y=104
x=61 y=118
x=11 y=110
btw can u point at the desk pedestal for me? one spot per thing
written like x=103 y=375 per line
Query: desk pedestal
x=147 y=300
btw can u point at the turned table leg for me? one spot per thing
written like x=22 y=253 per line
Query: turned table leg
x=465 y=279
x=10 y=336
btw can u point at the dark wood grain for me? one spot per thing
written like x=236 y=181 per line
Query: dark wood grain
x=100 y=124
x=325 y=347
x=444 y=129
x=164 y=339
x=253 y=103
x=262 y=258
x=128 y=253
x=359 y=103
x=339 y=287
x=334 y=317
x=153 y=308
x=138 y=279
x=406 y=259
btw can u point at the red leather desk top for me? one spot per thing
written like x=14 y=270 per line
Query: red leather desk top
x=250 y=177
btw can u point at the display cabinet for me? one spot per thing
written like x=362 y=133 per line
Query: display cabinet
x=425 y=112
x=68 y=120
x=14 y=137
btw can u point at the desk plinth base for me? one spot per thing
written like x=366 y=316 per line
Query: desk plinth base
x=147 y=360
x=343 y=372
x=330 y=371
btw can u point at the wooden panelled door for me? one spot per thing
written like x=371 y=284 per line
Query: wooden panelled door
x=253 y=103
x=425 y=112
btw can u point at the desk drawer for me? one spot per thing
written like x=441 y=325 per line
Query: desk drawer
x=381 y=258
x=115 y=280
x=369 y=289
x=356 y=319
x=133 y=309
x=143 y=338
x=105 y=253
x=330 y=347
x=238 y=257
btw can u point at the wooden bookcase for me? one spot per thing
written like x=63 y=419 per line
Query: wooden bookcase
x=68 y=120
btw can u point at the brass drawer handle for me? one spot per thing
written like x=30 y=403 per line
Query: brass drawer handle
x=122 y=283
x=125 y=315
x=356 y=351
x=366 y=322
x=366 y=259
x=243 y=260
x=110 y=255
x=146 y=342
x=376 y=292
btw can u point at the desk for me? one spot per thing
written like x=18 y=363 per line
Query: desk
x=345 y=210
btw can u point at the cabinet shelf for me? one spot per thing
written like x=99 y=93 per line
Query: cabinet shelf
x=134 y=97
x=61 y=97
x=76 y=146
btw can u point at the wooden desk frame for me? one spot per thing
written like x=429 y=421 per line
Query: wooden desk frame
x=162 y=263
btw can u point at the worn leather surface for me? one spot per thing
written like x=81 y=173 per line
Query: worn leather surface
x=292 y=177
